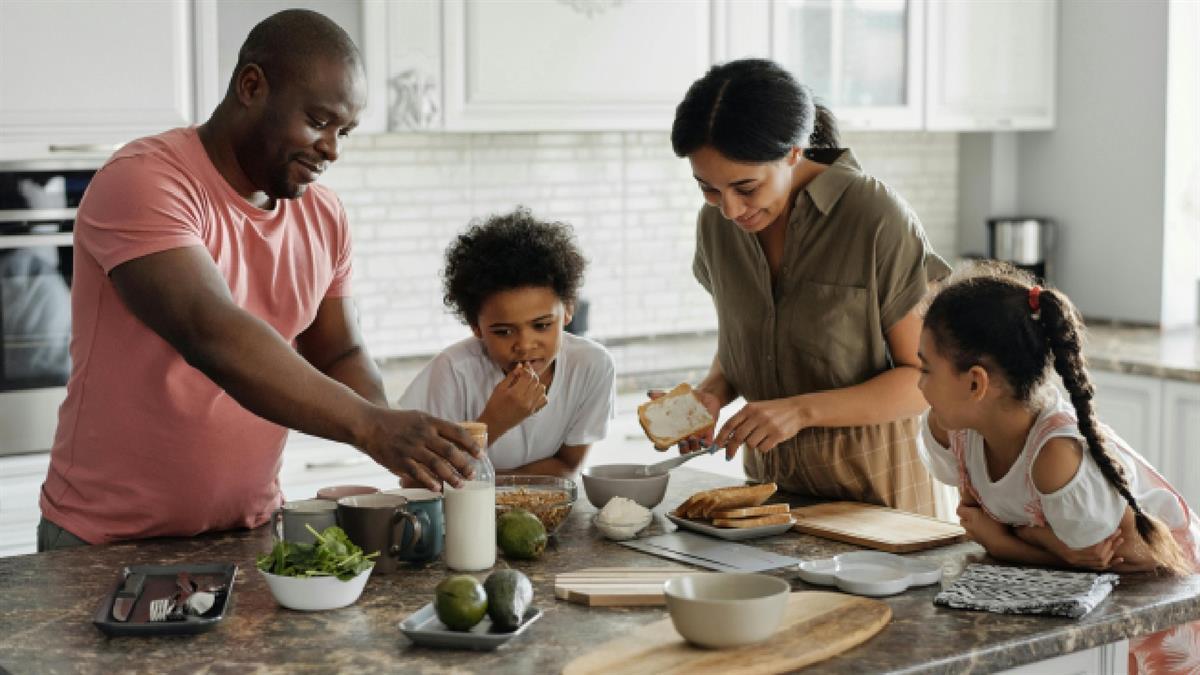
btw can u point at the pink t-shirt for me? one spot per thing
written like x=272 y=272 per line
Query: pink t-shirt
x=147 y=445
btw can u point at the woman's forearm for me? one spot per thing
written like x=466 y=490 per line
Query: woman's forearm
x=888 y=396
x=715 y=383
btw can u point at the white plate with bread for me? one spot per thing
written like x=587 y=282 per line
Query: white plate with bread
x=734 y=513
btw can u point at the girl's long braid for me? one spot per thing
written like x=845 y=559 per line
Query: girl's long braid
x=1063 y=336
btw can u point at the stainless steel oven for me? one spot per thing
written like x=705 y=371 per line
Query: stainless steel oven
x=37 y=216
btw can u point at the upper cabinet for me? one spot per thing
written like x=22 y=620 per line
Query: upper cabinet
x=991 y=64
x=863 y=58
x=80 y=78
x=533 y=65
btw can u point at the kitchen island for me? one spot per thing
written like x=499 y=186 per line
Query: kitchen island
x=48 y=601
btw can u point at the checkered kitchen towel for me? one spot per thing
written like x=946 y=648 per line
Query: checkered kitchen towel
x=1023 y=590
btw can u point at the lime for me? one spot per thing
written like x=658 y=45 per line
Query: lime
x=520 y=534
x=460 y=602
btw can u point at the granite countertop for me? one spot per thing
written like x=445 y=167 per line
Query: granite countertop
x=1173 y=353
x=49 y=600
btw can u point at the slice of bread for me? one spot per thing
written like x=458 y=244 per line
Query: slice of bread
x=706 y=502
x=753 y=511
x=741 y=523
x=675 y=416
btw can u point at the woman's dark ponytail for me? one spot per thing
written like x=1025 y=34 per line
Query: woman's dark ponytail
x=825 y=142
x=1063 y=329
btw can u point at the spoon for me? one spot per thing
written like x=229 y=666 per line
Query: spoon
x=664 y=466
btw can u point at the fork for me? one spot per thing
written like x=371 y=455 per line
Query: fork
x=161 y=608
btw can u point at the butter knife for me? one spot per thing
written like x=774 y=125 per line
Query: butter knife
x=128 y=595
x=666 y=465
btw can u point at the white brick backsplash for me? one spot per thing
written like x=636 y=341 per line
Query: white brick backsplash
x=631 y=202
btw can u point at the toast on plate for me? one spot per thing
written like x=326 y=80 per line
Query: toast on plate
x=760 y=521
x=706 y=502
x=753 y=511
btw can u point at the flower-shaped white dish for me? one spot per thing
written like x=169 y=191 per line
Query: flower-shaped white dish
x=871 y=573
x=621 y=531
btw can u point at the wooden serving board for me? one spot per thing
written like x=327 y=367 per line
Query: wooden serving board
x=616 y=586
x=875 y=527
x=816 y=626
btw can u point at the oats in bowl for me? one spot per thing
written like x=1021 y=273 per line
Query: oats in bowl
x=550 y=498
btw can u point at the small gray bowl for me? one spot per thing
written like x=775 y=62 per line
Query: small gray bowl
x=605 y=481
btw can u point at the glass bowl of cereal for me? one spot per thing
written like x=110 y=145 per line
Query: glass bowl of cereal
x=550 y=498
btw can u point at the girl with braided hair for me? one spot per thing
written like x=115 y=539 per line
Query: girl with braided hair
x=1042 y=481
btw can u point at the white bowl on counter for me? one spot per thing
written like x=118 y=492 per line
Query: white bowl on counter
x=871 y=573
x=311 y=594
x=726 y=609
x=621 y=531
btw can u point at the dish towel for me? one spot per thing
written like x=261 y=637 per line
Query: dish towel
x=1023 y=590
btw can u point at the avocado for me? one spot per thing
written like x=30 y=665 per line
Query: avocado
x=460 y=602
x=520 y=534
x=509 y=595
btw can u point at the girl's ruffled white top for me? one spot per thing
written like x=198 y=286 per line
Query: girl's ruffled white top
x=1085 y=510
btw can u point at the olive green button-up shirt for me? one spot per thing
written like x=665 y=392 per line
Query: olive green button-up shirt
x=855 y=262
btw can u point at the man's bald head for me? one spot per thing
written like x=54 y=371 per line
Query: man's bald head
x=285 y=44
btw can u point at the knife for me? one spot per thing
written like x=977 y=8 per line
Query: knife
x=128 y=595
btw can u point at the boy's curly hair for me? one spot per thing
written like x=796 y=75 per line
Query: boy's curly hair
x=513 y=250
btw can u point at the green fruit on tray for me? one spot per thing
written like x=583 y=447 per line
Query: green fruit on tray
x=520 y=534
x=509 y=596
x=460 y=602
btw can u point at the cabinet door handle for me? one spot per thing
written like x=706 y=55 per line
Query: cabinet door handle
x=85 y=147
x=335 y=463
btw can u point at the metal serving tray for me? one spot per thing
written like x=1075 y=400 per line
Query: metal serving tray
x=160 y=583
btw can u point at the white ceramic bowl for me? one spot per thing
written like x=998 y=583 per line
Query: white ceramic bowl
x=726 y=609
x=316 y=593
x=621 y=532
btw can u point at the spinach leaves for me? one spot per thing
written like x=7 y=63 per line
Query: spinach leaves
x=331 y=555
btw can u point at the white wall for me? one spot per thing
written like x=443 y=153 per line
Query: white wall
x=1100 y=172
x=632 y=202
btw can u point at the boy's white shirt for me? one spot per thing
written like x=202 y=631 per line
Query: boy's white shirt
x=458 y=382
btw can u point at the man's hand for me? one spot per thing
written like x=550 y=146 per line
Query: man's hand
x=1100 y=556
x=427 y=449
x=762 y=425
x=980 y=527
x=519 y=395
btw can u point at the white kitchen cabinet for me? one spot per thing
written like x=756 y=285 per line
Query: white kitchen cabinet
x=1181 y=433
x=1109 y=659
x=532 y=65
x=80 y=78
x=1132 y=406
x=21 y=478
x=865 y=59
x=991 y=65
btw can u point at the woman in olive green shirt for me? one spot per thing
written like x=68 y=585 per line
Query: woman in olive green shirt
x=816 y=270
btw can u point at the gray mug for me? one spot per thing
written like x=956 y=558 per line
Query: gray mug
x=288 y=521
x=426 y=505
x=377 y=523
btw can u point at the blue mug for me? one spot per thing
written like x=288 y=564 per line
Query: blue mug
x=426 y=505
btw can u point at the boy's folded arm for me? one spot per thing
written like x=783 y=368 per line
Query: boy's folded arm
x=565 y=463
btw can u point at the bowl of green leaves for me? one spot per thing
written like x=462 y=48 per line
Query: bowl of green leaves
x=327 y=574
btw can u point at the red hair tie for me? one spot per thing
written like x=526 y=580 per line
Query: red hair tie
x=1035 y=302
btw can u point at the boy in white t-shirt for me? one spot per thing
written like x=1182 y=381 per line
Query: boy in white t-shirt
x=545 y=395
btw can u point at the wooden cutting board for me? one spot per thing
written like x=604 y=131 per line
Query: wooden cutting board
x=816 y=626
x=875 y=527
x=616 y=586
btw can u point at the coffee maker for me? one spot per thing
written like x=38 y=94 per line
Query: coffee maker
x=1026 y=243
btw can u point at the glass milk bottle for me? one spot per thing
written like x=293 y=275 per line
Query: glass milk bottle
x=471 y=512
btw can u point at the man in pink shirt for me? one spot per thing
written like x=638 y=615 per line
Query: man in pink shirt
x=211 y=312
